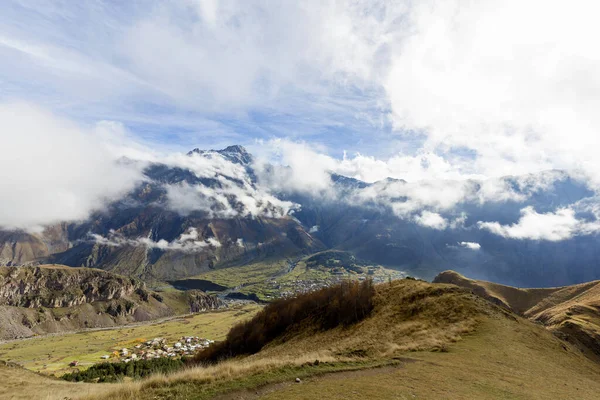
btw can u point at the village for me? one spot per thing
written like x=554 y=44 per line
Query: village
x=300 y=286
x=157 y=348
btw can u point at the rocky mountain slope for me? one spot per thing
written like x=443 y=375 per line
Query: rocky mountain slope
x=570 y=312
x=219 y=208
x=54 y=298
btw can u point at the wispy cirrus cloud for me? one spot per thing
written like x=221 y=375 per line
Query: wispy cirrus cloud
x=253 y=66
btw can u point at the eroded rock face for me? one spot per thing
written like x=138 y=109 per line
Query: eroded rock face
x=200 y=301
x=51 y=298
x=54 y=287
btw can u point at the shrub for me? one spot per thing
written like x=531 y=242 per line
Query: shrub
x=340 y=305
x=112 y=372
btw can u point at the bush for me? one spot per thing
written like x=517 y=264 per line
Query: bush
x=112 y=372
x=340 y=305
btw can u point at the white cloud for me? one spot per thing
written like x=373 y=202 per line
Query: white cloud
x=405 y=199
x=53 y=170
x=242 y=54
x=477 y=75
x=554 y=226
x=233 y=195
x=310 y=166
x=470 y=245
x=459 y=221
x=228 y=201
x=473 y=90
x=423 y=165
x=471 y=87
x=305 y=169
x=189 y=242
x=431 y=220
x=207 y=165
x=314 y=229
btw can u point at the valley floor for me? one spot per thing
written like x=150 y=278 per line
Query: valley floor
x=51 y=354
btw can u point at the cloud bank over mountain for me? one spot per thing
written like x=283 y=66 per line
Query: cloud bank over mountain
x=444 y=97
x=53 y=170
x=57 y=171
x=188 y=242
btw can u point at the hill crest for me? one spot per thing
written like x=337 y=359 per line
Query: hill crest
x=570 y=312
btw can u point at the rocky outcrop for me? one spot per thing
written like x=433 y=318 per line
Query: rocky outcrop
x=200 y=301
x=58 y=286
x=51 y=298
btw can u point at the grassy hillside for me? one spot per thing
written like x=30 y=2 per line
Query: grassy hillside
x=19 y=384
x=571 y=312
x=517 y=299
x=502 y=359
x=420 y=340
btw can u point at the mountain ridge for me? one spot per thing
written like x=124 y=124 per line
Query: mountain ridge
x=570 y=312
x=234 y=220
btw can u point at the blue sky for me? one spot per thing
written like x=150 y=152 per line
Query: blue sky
x=469 y=82
x=88 y=61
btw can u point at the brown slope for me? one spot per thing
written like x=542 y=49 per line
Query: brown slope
x=515 y=299
x=20 y=247
x=571 y=312
x=17 y=383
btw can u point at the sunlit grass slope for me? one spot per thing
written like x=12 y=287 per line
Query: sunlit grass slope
x=421 y=340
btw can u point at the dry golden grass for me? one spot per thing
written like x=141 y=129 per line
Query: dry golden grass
x=465 y=347
x=565 y=300
x=19 y=384
x=517 y=299
x=408 y=316
x=572 y=312
x=209 y=375
x=504 y=359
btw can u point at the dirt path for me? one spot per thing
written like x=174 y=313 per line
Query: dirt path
x=258 y=392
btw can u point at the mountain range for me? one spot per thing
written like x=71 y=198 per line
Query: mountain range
x=212 y=209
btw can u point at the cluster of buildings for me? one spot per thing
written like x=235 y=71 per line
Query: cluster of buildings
x=158 y=348
x=292 y=288
x=304 y=286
